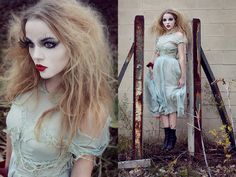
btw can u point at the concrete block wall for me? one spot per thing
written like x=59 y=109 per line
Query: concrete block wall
x=218 y=24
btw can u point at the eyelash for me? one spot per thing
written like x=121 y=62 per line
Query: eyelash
x=24 y=43
x=170 y=19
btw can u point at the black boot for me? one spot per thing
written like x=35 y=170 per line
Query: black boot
x=172 y=139
x=167 y=132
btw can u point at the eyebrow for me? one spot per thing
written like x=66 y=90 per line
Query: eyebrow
x=43 y=39
x=47 y=38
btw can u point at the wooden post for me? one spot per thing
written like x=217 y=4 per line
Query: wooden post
x=190 y=93
x=197 y=84
x=138 y=87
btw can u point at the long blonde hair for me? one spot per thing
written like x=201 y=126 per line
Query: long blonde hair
x=180 y=24
x=86 y=98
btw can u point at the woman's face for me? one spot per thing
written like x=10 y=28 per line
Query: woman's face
x=168 y=21
x=47 y=52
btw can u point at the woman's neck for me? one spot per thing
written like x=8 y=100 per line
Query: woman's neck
x=52 y=84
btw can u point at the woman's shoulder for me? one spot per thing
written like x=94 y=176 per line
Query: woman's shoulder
x=179 y=37
x=179 y=34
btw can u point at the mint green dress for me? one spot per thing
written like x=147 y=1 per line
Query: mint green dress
x=47 y=157
x=162 y=92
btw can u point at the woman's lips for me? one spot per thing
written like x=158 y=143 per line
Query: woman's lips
x=40 y=67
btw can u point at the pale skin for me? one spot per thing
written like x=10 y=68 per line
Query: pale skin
x=169 y=23
x=55 y=59
x=83 y=167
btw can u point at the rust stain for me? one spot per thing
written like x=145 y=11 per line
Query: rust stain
x=138 y=87
x=197 y=82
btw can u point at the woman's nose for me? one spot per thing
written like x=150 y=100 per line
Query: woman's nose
x=36 y=53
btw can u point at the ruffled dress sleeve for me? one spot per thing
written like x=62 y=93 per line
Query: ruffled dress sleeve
x=180 y=38
x=83 y=144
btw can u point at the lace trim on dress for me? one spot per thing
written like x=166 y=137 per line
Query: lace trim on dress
x=59 y=165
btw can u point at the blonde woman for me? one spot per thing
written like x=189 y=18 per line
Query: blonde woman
x=59 y=87
x=165 y=82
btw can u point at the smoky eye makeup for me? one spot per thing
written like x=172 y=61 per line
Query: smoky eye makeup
x=169 y=19
x=49 y=42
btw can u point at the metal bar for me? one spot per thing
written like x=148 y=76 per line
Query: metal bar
x=125 y=65
x=138 y=87
x=197 y=83
x=218 y=99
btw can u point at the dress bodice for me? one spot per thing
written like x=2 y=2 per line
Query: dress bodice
x=46 y=157
x=168 y=44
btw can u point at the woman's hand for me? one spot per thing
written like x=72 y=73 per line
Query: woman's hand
x=150 y=68
x=181 y=82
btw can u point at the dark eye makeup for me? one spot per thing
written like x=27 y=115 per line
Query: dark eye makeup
x=47 y=42
x=169 y=19
x=26 y=43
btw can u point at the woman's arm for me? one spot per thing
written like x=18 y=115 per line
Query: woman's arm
x=151 y=64
x=8 y=152
x=83 y=166
x=182 y=62
x=156 y=54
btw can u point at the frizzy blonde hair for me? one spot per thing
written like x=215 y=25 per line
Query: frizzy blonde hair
x=180 y=24
x=86 y=94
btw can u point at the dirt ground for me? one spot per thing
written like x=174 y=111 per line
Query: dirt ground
x=179 y=163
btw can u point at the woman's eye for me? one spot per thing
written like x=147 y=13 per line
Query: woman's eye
x=50 y=45
x=30 y=45
x=169 y=19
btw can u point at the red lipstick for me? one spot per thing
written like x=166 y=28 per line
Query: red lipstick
x=40 y=68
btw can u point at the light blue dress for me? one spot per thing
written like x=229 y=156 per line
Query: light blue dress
x=162 y=92
x=45 y=158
